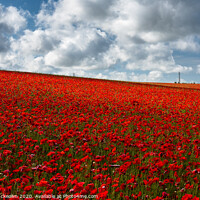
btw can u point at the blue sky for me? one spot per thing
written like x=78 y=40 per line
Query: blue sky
x=132 y=40
x=32 y=6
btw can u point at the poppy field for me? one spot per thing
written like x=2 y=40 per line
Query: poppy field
x=97 y=139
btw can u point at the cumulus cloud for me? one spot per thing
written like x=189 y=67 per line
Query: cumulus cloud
x=36 y=42
x=87 y=46
x=12 y=17
x=135 y=25
x=83 y=36
x=198 y=69
x=11 y=20
x=159 y=21
x=151 y=76
x=189 y=43
x=4 y=42
x=155 y=57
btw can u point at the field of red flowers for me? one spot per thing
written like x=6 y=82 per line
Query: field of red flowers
x=100 y=139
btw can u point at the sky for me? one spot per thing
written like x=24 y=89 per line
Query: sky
x=130 y=40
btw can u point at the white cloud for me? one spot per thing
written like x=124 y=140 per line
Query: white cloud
x=152 y=76
x=86 y=47
x=11 y=21
x=36 y=42
x=115 y=75
x=101 y=76
x=129 y=21
x=189 y=43
x=198 y=69
x=155 y=57
x=12 y=17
